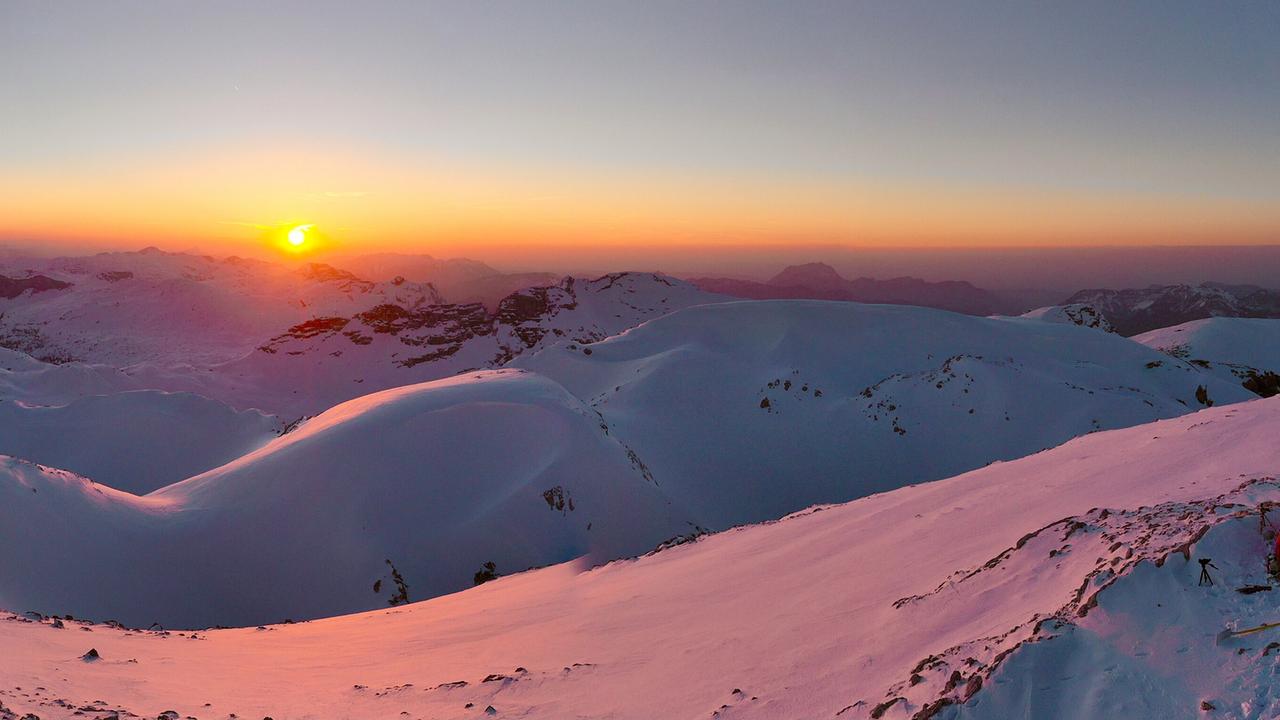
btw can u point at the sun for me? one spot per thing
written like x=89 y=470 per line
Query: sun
x=298 y=235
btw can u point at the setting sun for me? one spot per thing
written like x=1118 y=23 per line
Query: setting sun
x=298 y=235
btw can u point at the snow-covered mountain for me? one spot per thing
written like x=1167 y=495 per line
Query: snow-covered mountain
x=396 y=496
x=1135 y=311
x=745 y=411
x=819 y=281
x=1062 y=585
x=1246 y=350
x=92 y=418
x=134 y=441
x=289 y=340
x=326 y=360
x=632 y=412
x=1075 y=314
x=160 y=307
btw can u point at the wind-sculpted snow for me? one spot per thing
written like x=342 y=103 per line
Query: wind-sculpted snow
x=396 y=496
x=1244 y=350
x=134 y=441
x=1061 y=585
x=746 y=411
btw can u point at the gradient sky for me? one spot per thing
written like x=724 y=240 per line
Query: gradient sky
x=479 y=128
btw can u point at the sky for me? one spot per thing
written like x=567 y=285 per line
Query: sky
x=503 y=130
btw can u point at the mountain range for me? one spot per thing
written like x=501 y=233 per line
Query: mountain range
x=625 y=496
x=819 y=281
x=702 y=419
x=1139 y=310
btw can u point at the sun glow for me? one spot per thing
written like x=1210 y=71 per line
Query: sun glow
x=298 y=235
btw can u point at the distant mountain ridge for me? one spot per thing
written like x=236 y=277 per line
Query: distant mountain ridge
x=459 y=280
x=1137 y=310
x=819 y=281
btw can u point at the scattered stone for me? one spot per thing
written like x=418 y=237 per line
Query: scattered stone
x=91 y=655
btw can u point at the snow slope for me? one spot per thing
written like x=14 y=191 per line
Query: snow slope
x=133 y=441
x=1233 y=348
x=22 y=377
x=745 y=411
x=421 y=485
x=1054 y=586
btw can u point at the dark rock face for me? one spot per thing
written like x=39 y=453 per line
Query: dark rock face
x=522 y=321
x=521 y=311
x=13 y=287
x=1264 y=384
x=444 y=328
x=1137 y=310
x=317 y=326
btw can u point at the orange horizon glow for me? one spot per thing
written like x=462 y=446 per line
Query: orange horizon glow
x=246 y=200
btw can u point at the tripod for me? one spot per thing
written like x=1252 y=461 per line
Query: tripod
x=1205 y=577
